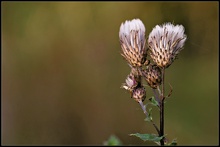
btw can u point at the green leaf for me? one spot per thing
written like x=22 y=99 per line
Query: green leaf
x=112 y=141
x=149 y=137
x=173 y=143
x=149 y=116
x=154 y=101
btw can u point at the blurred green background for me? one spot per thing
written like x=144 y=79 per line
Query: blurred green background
x=62 y=71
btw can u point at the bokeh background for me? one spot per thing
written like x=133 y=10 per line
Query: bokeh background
x=62 y=71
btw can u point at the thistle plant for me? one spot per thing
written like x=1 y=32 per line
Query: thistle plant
x=164 y=44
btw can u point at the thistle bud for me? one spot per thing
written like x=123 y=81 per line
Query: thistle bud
x=165 y=42
x=139 y=94
x=152 y=75
x=132 y=40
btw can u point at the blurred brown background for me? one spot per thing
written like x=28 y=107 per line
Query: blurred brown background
x=62 y=71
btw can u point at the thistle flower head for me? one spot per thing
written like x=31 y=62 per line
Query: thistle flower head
x=139 y=94
x=165 y=42
x=153 y=76
x=132 y=40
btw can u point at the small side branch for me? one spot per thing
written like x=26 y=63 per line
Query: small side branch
x=145 y=112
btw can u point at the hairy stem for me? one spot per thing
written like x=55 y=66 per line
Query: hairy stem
x=145 y=112
x=162 y=109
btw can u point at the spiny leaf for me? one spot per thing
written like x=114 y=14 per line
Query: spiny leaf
x=149 y=137
x=154 y=101
x=149 y=116
x=112 y=141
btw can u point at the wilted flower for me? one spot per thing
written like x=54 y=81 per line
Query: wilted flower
x=165 y=42
x=132 y=81
x=152 y=75
x=132 y=40
x=130 y=84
